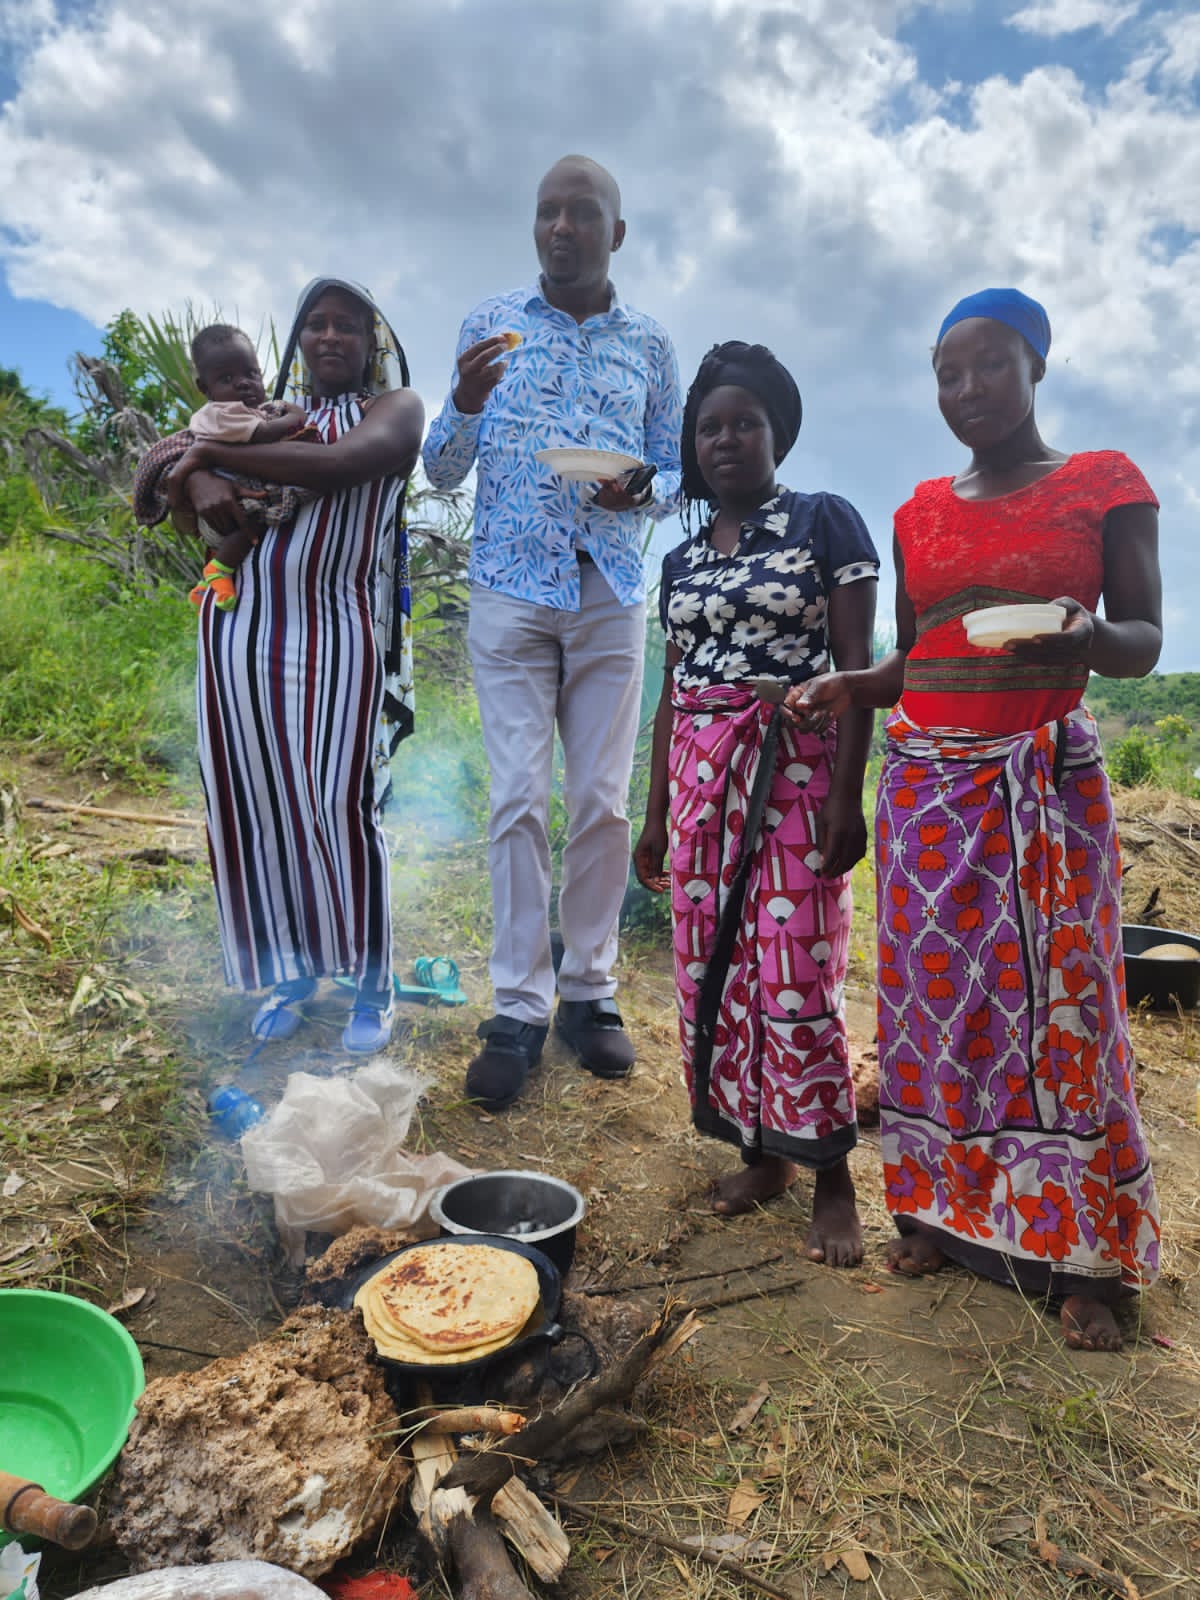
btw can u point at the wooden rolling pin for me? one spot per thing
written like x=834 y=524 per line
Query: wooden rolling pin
x=25 y=1507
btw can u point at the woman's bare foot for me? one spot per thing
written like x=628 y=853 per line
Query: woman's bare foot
x=741 y=1191
x=836 y=1233
x=1089 y=1324
x=916 y=1255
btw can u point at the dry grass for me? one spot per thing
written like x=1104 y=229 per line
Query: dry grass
x=943 y=1486
x=1160 y=851
x=88 y=1075
x=934 y=1430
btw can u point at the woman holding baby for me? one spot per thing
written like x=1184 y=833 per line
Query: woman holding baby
x=305 y=686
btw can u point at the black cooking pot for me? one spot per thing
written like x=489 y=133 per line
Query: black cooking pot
x=547 y=1332
x=1159 y=984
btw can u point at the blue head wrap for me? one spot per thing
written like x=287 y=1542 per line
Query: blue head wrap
x=1004 y=305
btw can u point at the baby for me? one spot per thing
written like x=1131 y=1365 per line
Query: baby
x=237 y=412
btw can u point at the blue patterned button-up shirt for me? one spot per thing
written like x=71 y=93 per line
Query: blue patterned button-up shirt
x=609 y=383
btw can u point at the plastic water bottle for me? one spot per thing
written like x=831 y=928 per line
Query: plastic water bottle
x=233 y=1110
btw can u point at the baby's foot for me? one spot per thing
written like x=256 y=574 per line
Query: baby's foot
x=219 y=578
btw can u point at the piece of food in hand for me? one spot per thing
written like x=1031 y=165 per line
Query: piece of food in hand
x=512 y=340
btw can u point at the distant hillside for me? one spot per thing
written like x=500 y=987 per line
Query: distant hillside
x=1151 y=728
x=1119 y=704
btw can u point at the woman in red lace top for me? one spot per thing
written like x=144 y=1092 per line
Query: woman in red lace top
x=1011 y=1138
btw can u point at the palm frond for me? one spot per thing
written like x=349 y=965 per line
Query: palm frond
x=167 y=343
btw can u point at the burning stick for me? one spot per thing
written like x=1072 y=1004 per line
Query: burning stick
x=448 y=1521
x=456 y=1521
x=474 y=1419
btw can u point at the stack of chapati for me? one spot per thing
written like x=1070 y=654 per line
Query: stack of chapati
x=445 y=1303
x=1171 y=952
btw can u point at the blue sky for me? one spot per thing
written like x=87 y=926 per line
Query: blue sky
x=39 y=340
x=970 y=42
x=827 y=176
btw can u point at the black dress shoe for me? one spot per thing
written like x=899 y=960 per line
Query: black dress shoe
x=594 y=1030
x=497 y=1075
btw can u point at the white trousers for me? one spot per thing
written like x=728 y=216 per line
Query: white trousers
x=536 y=666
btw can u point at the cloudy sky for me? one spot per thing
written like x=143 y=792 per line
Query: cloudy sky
x=826 y=176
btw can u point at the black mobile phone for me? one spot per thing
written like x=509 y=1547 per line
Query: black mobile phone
x=640 y=479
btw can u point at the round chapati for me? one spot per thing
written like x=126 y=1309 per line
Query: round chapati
x=394 y=1347
x=452 y=1299
x=1171 y=952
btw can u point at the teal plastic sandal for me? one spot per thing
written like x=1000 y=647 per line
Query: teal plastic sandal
x=440 y=973
x=437 y=983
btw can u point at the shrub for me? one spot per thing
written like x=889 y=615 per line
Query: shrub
x=1133 y=759
x=104 y=684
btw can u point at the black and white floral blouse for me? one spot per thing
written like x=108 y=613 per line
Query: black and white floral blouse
x=762 y=611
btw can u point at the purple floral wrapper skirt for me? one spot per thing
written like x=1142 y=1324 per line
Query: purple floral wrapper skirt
x=1009 y=1126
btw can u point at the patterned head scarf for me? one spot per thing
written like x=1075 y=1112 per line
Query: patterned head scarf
x=746 y=366
x=1009 y=306
x=388 y=367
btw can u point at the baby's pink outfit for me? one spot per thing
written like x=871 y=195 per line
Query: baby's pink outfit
x=231 y=421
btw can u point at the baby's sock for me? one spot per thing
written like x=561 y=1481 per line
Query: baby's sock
x=219 y=578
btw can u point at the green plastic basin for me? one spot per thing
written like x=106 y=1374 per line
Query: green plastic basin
x=69 y=1378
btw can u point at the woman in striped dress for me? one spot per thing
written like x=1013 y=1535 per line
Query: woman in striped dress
x=305 y=688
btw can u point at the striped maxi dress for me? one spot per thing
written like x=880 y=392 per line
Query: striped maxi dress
x=290 y=690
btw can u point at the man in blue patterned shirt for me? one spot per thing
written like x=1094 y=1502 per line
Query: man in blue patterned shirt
x=557 y=614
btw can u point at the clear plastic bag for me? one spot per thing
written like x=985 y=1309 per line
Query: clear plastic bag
x=332 y=1155
x=18 y=1573
x=224 y=1580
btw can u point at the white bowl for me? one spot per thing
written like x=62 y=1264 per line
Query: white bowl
x=994 y=626
x=579 y=465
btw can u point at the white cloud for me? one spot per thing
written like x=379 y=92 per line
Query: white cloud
x=788 y=172
x=22 y=21
x=1181 y=36
x=1054 y=17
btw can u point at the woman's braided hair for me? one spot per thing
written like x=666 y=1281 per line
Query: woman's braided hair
x=750 y=366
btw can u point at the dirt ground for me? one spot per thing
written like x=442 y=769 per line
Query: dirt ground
x=918 y=1439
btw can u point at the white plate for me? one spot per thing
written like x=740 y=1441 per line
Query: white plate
x=994 y=626
x=577 y=465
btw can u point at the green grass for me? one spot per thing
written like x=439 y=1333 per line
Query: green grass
x=103 y=680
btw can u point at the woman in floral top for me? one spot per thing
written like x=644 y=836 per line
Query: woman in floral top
x=765 y=808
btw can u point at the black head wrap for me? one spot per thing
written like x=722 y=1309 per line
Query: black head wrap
x=748 y=366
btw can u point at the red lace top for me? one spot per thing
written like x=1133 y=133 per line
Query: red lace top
x=1034 y=544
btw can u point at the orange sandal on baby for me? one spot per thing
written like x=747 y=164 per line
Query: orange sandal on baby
x=219 y=578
